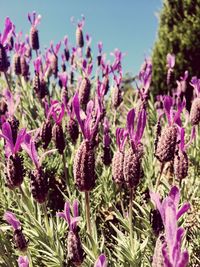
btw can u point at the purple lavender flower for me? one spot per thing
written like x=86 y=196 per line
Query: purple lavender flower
x=74 y=246
x=84 y=162
x=88 y=46
x=63 y=79
x=14 y=163
x=170 y=214
x=181 y=161
x=23 y=261
x=100 y=48
x=39 y=81
x=39 y=182
x=132 y=167
x=88 y=122
x=170 y=66
x=66 y=50
x=79 y=33
x=101 y=261
x=145 y=76
x=136 y=135
x=34 y=38
x=118 y=55
x=12 y=220
x=53 y=58
x=19 y=238
x=12 y=101
x=5 y=38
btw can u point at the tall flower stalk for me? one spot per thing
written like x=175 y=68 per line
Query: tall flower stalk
x=84 y=162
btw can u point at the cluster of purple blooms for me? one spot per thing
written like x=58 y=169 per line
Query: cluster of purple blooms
x=85 y=108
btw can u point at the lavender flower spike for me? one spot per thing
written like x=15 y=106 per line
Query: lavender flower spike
x=171 y=249
x=23 y=261
x=101 y=261
x=170 y=66
x=12 y=220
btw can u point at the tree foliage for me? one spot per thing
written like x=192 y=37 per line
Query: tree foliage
x=179 y=33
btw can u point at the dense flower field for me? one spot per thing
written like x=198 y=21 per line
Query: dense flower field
x=94 y=173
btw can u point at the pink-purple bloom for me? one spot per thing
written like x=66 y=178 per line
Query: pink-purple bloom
x=11 y=147
x=71 y=219
x=101 y=261
x=12 y=220
x=170 y=213
x=7 y=32
x=136 y=134
x=23 y=261
x=86 y=121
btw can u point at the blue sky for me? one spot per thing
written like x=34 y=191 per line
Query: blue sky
x=130 y=25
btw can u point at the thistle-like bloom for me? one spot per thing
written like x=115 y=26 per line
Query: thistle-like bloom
x=79 y=33
x=53 y=58
x=23 y=261
x=66 y=50
x=85 y=84
x=117 y=93
x=84 y=162
x=101 y=261
x=4 y=44
x=39 y=81
x=39 y=181
x=167 y=141
x=170 y=213
x=34 y=38
x=74 y=246
x=195 y=108
x=181 y=158
x=132 y=160
x=145 y=76
x=170 y=66
x=19 y=238
x=14 y=163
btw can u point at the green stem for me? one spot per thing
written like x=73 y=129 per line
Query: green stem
x=29 y=258
x=46 y=219
x=159 y=176
x=130 y=218
x=7 y=81
x=87 y=209
x=122 y=205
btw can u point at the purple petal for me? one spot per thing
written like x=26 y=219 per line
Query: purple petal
x=10 y=101
x=184 y=259
x=20 y=139
x=23 y=261
x=167 y=105
x=7 y=132
x=67 y=212
x=101 y=261
x=29 y=146
x=182 y=210
x=177 y=247
x=170 y=61
x=7 y=30
x=155 y=197
x=170 y=224
x=75 y=208
x=12 y=220
x=61 y=215
x=140 y=126
x=57 y=48
x=130 y=123
x=76 y=106
x=174 y=194
x=166 y=256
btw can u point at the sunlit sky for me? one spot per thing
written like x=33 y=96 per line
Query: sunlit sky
x=130 y=25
